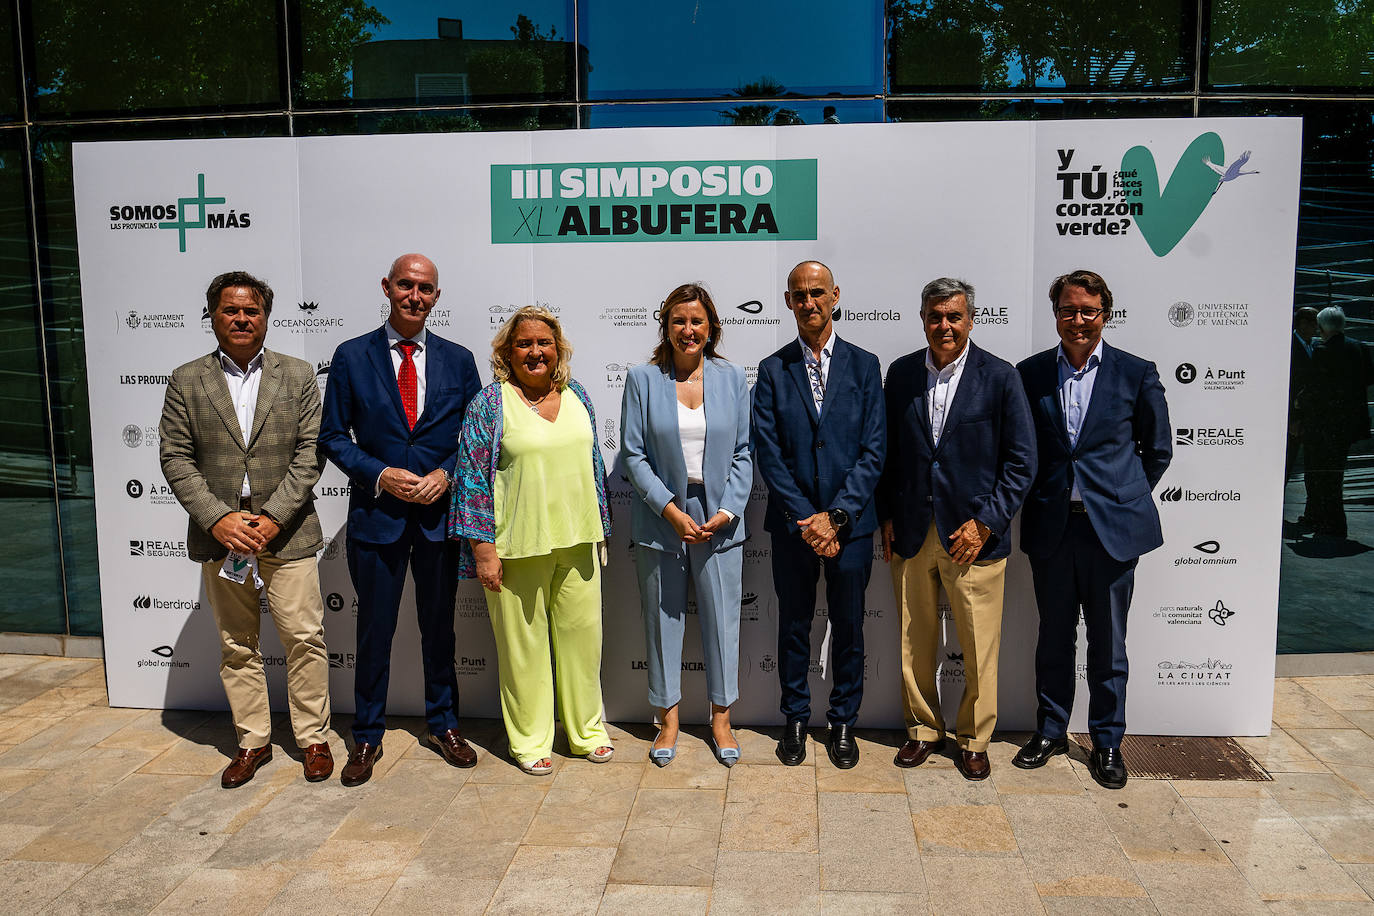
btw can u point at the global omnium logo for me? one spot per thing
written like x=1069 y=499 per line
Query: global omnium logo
x=188 y=213
x=660 y=201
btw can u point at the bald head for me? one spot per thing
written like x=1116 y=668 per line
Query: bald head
x=412 y=288
x=413 y=261
x=829 y=275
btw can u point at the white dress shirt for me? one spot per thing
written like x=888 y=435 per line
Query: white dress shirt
x=243 y=391
x=941 y=385
x=809 y=358
x=1075 y=394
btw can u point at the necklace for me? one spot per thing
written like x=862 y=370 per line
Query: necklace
x=534 y=405
x=692 y=379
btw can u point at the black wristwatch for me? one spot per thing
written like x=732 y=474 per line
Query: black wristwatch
x=838 y=518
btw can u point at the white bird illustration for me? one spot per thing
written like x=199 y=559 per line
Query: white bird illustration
x=1230 y=172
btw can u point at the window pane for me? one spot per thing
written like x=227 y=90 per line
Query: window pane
x=1025 y=44
x=1326 y=582
x=692 y=114
x=9 y=70
x=29 y=562
x=93 y=57
x=1268 y=44
x=404 y=52
x=546 y=117
x=1036 y=109
x=686 y=49
x=61 y=281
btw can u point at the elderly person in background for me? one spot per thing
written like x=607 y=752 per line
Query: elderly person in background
x=685 y=448
x=1334 y=405
x=531 y=501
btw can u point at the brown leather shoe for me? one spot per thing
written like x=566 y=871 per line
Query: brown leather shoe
x=915 y=753
x=974 y=765
x=319 y=762
x=245 y=765
x=454 y=749
x=358 y=769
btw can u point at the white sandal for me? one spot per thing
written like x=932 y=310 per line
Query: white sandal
x=541 y=767
x=601 y=754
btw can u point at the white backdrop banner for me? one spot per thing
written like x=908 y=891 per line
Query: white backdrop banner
x=1192 y=222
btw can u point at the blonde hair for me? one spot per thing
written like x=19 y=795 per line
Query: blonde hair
x=501 y=344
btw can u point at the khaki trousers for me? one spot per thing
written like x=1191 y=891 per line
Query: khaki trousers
x=975 y=599
x=293 y=597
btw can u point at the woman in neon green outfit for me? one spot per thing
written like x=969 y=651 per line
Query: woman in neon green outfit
x=530 y=501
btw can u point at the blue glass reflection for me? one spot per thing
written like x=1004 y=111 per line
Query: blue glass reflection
x=711 y=114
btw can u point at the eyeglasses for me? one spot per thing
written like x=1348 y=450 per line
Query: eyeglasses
x=1067 y=314
x=799 y=294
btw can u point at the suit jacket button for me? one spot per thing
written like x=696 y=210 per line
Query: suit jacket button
x=820 y=443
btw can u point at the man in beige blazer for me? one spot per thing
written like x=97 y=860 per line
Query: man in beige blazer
x=238 y=449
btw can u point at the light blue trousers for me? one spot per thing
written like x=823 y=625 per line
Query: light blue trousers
x=663 y=580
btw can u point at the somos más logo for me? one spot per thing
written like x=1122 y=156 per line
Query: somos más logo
x=187 y=213
x=653 y=201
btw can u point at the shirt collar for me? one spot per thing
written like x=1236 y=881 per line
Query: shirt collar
x=228 y=365
x=827 y=351
x=394 y=337
x=955 y=366
x=1094 y=359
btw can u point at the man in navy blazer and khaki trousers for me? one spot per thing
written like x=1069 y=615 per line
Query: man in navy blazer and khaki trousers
x=819 y=439
x=960 y=458
x=392 y=412
x=1102 y=430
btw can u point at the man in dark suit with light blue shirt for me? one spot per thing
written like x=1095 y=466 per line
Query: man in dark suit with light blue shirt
x=392 y=412
x=960 y=458
x=819 y=440
x=1102 y=429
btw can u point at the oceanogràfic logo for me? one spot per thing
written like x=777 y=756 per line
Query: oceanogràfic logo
x=663 y=201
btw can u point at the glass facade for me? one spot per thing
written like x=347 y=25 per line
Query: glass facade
x=82 y=70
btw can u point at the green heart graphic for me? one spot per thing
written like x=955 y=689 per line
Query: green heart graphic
x=1166 y=218
x=239 y=565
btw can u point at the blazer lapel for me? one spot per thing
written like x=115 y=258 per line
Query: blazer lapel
x=797 y=369
x=1050 y=402
x=434 y=374
x=380 y=355
x=838 y=374
x=268 y=386
x=919 y=403
x=969 y=384
x=217 y=391
x=1104 y=378
x=663 y=403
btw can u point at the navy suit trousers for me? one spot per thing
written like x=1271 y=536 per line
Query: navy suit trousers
x=1081 y=572
x=378 y=572
x=796 y=567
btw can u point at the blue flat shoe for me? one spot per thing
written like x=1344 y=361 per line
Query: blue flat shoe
x=728 y=756
x=662 y=756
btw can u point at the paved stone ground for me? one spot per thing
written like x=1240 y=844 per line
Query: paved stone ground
x=120 y=810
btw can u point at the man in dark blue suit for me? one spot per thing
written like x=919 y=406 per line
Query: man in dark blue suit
x=1102 y=430
x=819 y=438
x=392 y=411
x=960 y=458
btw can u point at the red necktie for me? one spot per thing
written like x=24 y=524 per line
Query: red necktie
x=406 y=380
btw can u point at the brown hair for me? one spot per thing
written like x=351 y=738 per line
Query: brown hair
x=687 y=292
x=261 y=291
x=1091 y=282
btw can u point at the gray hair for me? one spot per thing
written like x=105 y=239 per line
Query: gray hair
x=947 y=288
x=1331 y=319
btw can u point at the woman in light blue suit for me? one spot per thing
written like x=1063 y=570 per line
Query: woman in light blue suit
x=685 y=448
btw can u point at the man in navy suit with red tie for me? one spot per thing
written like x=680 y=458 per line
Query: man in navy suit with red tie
x=392 y=412
x=1103 y=441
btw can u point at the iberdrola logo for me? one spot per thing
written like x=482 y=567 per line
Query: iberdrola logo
x=1166 y=215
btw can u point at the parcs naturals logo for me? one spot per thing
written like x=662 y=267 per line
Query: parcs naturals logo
x=663 y=201
x=188 y=213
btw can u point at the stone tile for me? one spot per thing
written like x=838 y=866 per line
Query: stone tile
x=291 y=826
x=17 y=836
x=936 y=783
x=554 y=879
x=1278 y=858
x=1187 y=889
x=1068 y=848
x=208 y=891
x=842 y=903
x=354 y=891
x=953 y=816
x=1363 y=875
x=413 y=894
x=61 y=701
x=1361 y=779
x=39 y=677
x=1091 y=906
x=157 y=729
x=18 y=729
x=1342 y=824
x=694 y=767
x=752 y=882
x=94 y=676
x=37 y=883
x=1319 y=908
x=632 y=741
x=971 y=886
x=1280 y=753
x=405 y=804
x=1333 y=746
x=216 y=810
x=137 y=876
x=1363 y=719
x=1153 y=824
x=61 y=744
x=587 y=805
x=1220 y=788
x=12 y=781
x=52 y=798
x=1057 y=777
x=868 y=843
x=108 y=821
x=875 y=771
x=1340 y=693
x=671 y=838
x=770 y=808
x=486 y=822
x=1296 y=707
x=759 y=747
x=636 y=899
x=14 y=663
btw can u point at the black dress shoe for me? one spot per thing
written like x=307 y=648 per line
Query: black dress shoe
x=842 y=748
x=1107 y=767
x=792 y=747
x=1038 y=751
